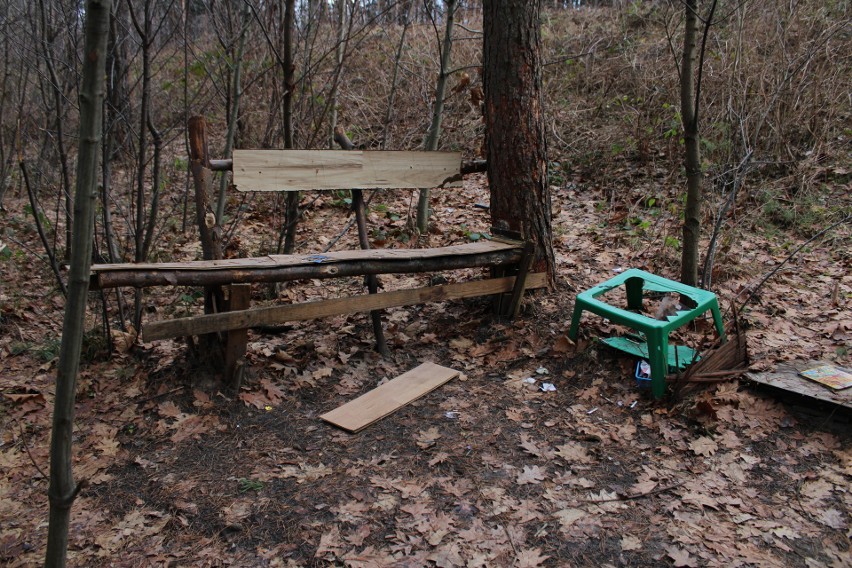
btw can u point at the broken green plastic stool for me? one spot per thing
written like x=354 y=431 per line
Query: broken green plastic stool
x=679 y=356
x=656 y=331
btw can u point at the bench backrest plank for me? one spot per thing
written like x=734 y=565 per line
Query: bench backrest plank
x=301 y=170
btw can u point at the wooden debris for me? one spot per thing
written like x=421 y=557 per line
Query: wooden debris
x=389 y=397
x=786 y=377
x=720 y=363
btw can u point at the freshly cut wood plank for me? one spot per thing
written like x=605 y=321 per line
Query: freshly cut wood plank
x=389 y=397
x=300 y=170
x=198 y=325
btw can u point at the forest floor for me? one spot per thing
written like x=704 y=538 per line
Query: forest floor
x=487 y=470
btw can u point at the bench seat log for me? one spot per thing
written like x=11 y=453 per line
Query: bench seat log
x=283 y=268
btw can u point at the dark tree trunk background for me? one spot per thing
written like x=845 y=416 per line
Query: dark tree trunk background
x=514 y=124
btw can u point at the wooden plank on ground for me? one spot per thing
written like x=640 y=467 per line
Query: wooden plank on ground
x=300 y=170
x=786 y=377
x=198 y=325
x=389 y=397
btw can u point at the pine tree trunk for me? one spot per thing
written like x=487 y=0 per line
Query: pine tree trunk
x=514 y=124
x=63 y=490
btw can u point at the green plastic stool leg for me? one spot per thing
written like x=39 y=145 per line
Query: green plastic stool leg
x=575 y=321
x=658 y=347
x=717 y=319
x=634 y=292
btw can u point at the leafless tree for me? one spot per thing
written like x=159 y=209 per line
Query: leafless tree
x=63 y=490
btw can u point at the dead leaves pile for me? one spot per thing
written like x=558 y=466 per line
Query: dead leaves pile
x=486 y=471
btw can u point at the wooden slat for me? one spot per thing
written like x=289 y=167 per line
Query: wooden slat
x=299 y=170
x=284 y=260
x=197 y=325
x=786 y=377
x=389 y=397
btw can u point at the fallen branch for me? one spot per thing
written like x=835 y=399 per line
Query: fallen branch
x=772 y=272
x=27 y=447
x=622 y=497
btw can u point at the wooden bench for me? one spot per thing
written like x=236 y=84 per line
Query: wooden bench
x=319 y=170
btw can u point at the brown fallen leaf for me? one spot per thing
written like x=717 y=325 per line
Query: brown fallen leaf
x=562 y=345
x=427 y=438
x=168 y=409
x=568 y=517
x=273 y=393
x=27 y=402
x=461 y=343
x=123 y=341
x=330 y=545
x=630 y=542
x=530 y=558
x=360 y=534
x=322 y=373
x=447 y=556
x=530 y=475
x=681 y=557
x=704 y=446
x=533 y=449
x=254 y=399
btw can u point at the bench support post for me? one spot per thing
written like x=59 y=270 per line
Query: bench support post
x=372 y=281
x=237 y=339
x=521 y=280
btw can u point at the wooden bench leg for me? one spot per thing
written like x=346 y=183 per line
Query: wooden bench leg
x=372 y=281
x=237 y=339
x=521 y=280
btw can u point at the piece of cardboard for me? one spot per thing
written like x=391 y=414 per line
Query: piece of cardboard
x=389 y=397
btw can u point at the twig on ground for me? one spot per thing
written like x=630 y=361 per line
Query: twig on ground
x=772 y=272
x=621 y=497
x=27 y=447
x=162 y=394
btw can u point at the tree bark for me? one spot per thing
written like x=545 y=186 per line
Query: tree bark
x=144 y=29
x=209 y=231
x=48 y=35
x=434 y=133
x=339 y=52
x=293 y=198
x=237 y=92
x=690 y=98
x=63 y=490
x=394 y=78
x=197 y=276
x=514 y=125
x=360 y=211
x=692 y=156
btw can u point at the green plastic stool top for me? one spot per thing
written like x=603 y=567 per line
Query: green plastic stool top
x=656 y=331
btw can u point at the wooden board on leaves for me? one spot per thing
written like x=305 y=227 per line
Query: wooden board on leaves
x=787 y=377
x=301 y=170
x=389 y=397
